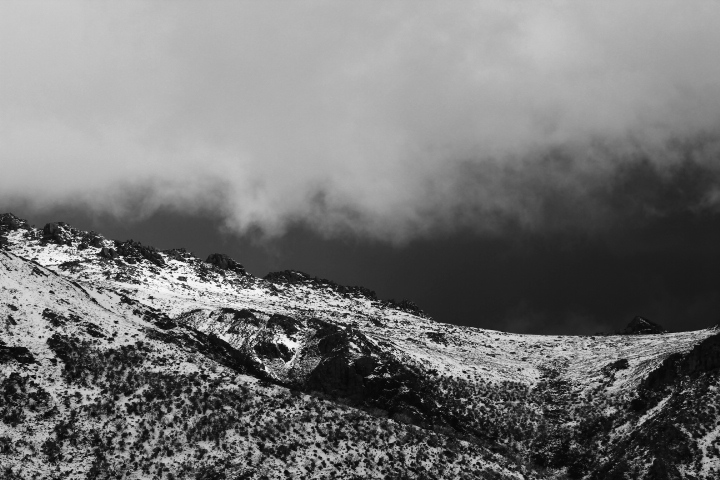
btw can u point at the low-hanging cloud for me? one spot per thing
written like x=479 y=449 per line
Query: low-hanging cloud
x=384 y=119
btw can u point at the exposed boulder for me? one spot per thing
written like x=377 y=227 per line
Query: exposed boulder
x=57 y=232
x=51 y=229
x=224 y=262
x=642 y=326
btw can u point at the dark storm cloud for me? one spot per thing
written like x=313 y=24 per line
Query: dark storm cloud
x=389 y=120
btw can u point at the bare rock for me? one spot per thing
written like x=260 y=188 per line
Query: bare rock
x=9 y=223
x=224 y=262
x=108 y=253
x=57 y=232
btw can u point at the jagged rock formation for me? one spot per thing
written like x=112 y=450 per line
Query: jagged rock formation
x=187 y=361
x=224 y=262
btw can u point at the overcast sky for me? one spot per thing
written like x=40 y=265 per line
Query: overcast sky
x=477 y=137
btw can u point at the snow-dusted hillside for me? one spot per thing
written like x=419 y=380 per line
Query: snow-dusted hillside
x=93 y=388
x=584 y=407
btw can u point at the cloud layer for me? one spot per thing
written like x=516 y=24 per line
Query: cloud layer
x=389 y=120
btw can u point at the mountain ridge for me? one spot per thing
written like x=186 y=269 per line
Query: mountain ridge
x=537 y=406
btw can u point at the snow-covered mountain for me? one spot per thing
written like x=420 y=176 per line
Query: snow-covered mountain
x=121 y=360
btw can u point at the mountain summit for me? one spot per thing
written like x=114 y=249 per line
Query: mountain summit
x=642 y=326
x=118 y=360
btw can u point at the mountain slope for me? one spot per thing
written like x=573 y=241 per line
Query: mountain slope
x=94 y=387
x=622 y=406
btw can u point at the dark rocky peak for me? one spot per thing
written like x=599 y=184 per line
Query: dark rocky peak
x=642 y=326
x=224 y=262
x=9 y=222
x=60 y=233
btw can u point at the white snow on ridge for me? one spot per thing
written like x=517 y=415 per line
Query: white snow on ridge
x=185 y=285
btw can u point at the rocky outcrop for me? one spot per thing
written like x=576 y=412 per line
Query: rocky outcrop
x=292 y=277
x=57 y=232
x=224 y=262
x=9 y=223
x=134 y=252
x=297 y=277
x=642 y=326
x=108 y=253
x=406 y=306
x=91 y=239
x=336 y=374
x=179 y=254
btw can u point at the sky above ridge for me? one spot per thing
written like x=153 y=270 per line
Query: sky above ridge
x=536 y=167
